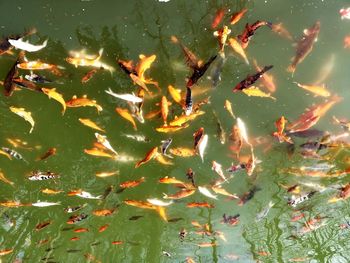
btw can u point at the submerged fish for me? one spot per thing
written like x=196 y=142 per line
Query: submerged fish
x=251 y=79
x=13 y=153
x=103 y=140
x=26 y=115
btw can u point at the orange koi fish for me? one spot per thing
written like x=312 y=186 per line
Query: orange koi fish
x=235 y=17
x=218 y=17
x=103 y=212
x=81 y=230
x=222 y=35
x=143 y=65
x=130 y=184
x=106 y=174
x=83 y=102
x=149 y=156
x=38 y=65
x=181 y=194
x=50 y=152
x=51 y=191
x=173 y=180
x=317 y=90
x=203 y=204
x=91 y=124
x=88 y=76
x=100 y=153
x=117 y=242
x=279 y=134
x=126 y=115
x=183 y=152
x=176 y=95
x=103 y=228
x=52 y=93
x=178 y=121
x=172 y=128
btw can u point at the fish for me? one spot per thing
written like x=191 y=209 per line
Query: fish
x=221 y=134
x=70 y=209
x=316 y=90
x=248 y=195
x=178 y=121
x=133 y=218
x=158 y=202
x=118 y=242
x=220 y=13
x=231 y=220
x=103 y=228
x=179 y=195
x=149 y=156
x=346 y=41
x=134 y=183
x=137 y=137
x=42 y=225
x=236 y=46
x=235 y=17
x=172 y=128
x=26 y=46
x=88 y=76
x=173 y=180
x=217 y=67
x=76 y=218
x=200 y=204
x=83 y=60
x=228 y=107
x=91 y=124
x=243 y=130
x=37 y=78
x=222 y=191
x=182 y=152
x=140 y=204
x=100 y=153
x=202 y=144
x=188 y=102
x=8 y=82
x=251 y=79
x=126 y=96
x=197 y=136
x=51 y=191
x=263 y=213
x=279 y=134
x=249 y=32
x=236 y=168
x=222 y=35
x=266 y=79
x=126 y=115
x=282 y=31
x=13 y=154
x=165 y=145
x=142 y=66
x=40 y=176
x=218 y=169
x=103 y=212
x=199 y=71
x=103 y=140
x=23 y=83
x=81 y=230
x=84 y=194
x=52 y=93
x=4 y=252
x=47 y=154
x=203 y=190
x=295 y=201
x=45 y=204
x=26 y=115
x=175 y=94
x=305 y=45
x=38 y=65
x=13 y=204
x=106 y=174
x=256 y=92
x=344 y=13
x=4 y=179
x=164 y=109
x=18 y=143
x=83 y=102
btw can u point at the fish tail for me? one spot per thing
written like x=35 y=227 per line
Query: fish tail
x=45 y=43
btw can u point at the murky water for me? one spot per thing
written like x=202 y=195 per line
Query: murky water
x=125 y=29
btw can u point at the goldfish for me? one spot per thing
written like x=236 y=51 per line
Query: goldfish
x=249 y=32
x=305 y=45
x=126 y=115
x=83 y=102
x=178 y=121
x=149 y=156
x=8 y=82
x=222 y=35
x=203 y=204
x=228 y=107
x=317 y=90
x=222 y=191
x=88 y=76
x=164 y=109
x=344 y=13
x=81 y=230
x=172 y=128
x=218 y=17
x=182 y=152
x=103 y=212
x=91 y=124
x=38 y=65
x=235 y=17
x=51 y=191
x=103 y=228
x=143 y=65
x=129 y=184
x=50 y=152
x=106 y=174
x=103 y=140
x=117 y=242
x=181 y=194
x=4 y=179
x=84 y=60
x=282 y=31
x=279 y=134
x=100 y=153
x=42 y=225
x=251 y=79
x=236 y=46
x=26 y=115
x=26 y=46
x=126 y=97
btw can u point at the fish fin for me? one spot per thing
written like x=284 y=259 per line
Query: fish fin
x=45 y=43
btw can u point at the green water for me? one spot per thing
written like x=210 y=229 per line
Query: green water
x=126 y=29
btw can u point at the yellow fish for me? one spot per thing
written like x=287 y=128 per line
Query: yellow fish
x=51 y=191
x=236 y=46
x=106 y=174
x=256 y=92
x=83 y=102
x=185 y=118
x=100 y=153
x=91 y=124
x=126 y=115
x=26 y=115
x=52 y=93
x=228 y=107
x=317 y=90
x=5 y=180
x=171 y=128
x=176 y=95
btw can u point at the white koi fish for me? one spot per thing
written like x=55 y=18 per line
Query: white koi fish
x=202 y=144
x=206 y=192
x=103 y=140
x=20 y=44
x=157 y=202
x=45 y=204
x=127 y=97
x=87 y=195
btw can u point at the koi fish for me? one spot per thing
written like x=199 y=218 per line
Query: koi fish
x=51 y=191
x=22 y=83
x=217 y=67
x=222 y=35
x=263 y=213
x=248 y=195
x=164 y=109
x=45 y=204
x=202 y=144
x=199 y=71
x=279 y=134
x=178 y=121
x=4 y=252
x=266 y=79
x=103 y=228
x=100 y=153
x=218 y=169
x=181 y=194
x=84 y=194
x=218 y=18
x=42 y=225
x=220 y=130
x=12 y=204
x=127 y=66
x=188 y=102
x=317 y=90
x=91 y=124
x=40 y=176
x=26 y=46
x=140 y=204
x=88 y=76
x=251 y=79
x=12 y=153
x=243 y=130
x=128 y=97
x=149 y=156
x=165 y=145
x=38 y=65
x=81 y=59
x=103 y=140
x=142 y=66
x=50 y=152
x=231 y=220
x=344 y=13
x=8 y=82
x=249 y=32
x=74 y=209
x=228 y=107
x=295 y=201
x=137 y=137
x=173 y=180
x=236 y=46
x=4 y=179
x=203 y=190
x=129 y=184
x=158 y=202
x=182 y=152
x=83 y=102
x=202 y=204
x=221 y=191
x=5 y=45
x=26 y=115
x=172 y=128
x=305 y=45
x=106 y=174
x=76 y=218
x=126 y=115
x=256 y=92
x=103 y=212
x=37 y=78
x=282 y=31
x=52 y=93
x=235 y=17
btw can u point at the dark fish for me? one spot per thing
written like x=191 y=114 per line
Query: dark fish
x=76 y=218
x=190 y=176
x=135 y=218
x=20 y=82
x=313 y=146
x=215 y=73
x=199 y=71
x=305 y=45
x=127 y=67
x=67 y=228
x=50 y=152
x=220 y=130
x=294 y=202
x=249 y=31
x=13 y=153
x=251 y=79
x=307 y=133
x=230 y=220
x=188 y=101
x=39 y=176
x=165 y=145
x=8 y=82
x=73 y=209
x=236 y=168
x=182 y=234
x=248 y=195
x=73 y=250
